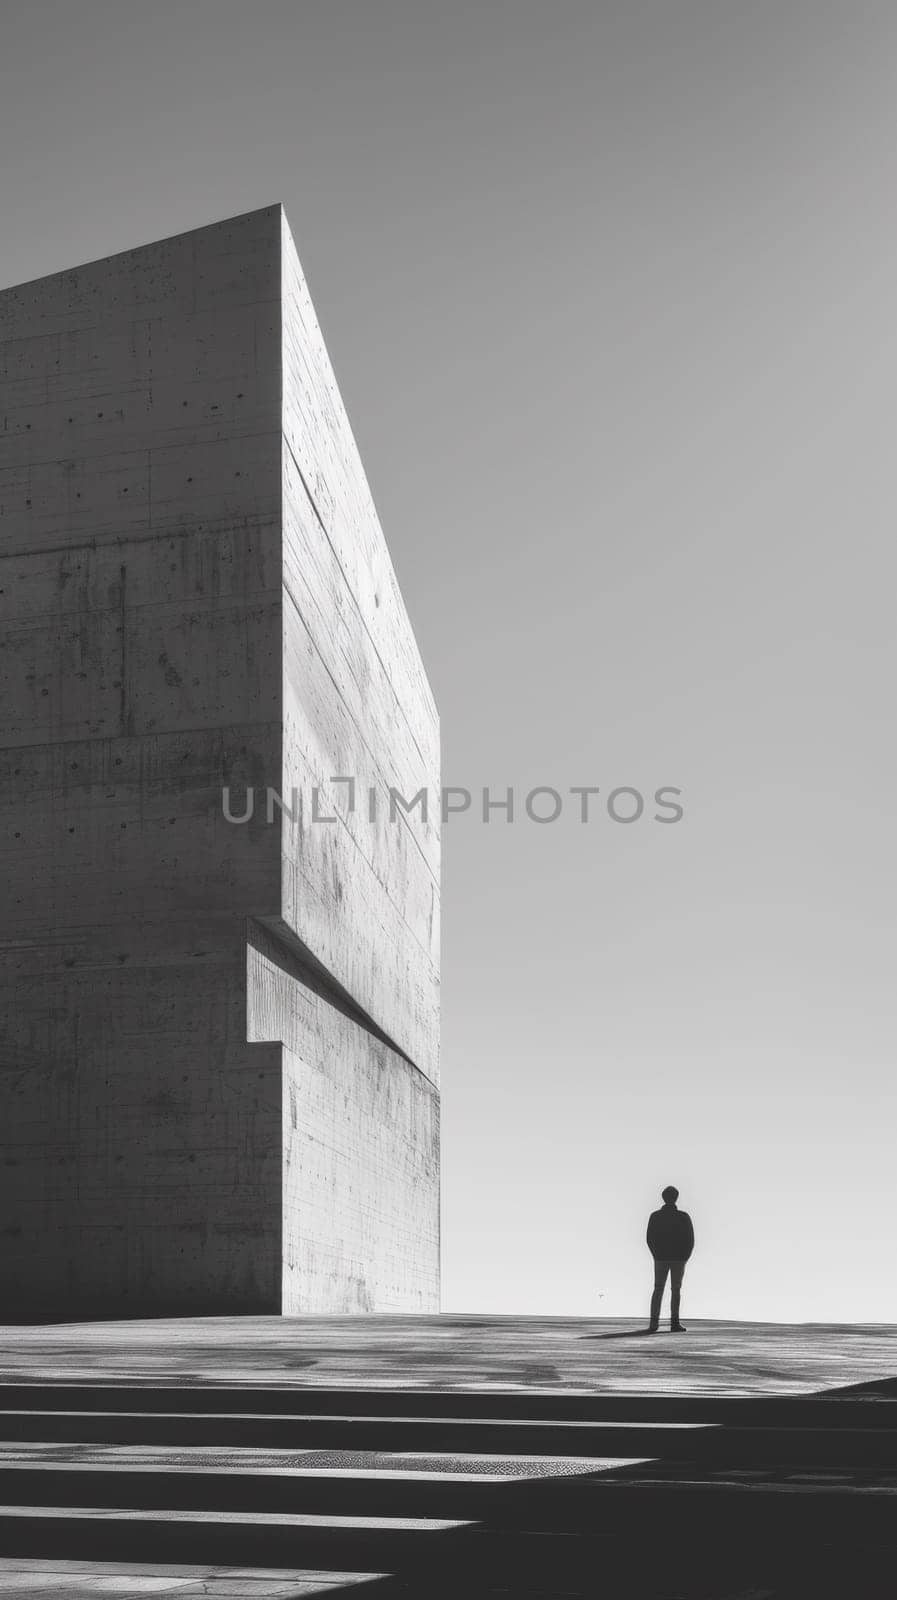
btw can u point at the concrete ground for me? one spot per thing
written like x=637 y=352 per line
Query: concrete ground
x=459 y=1355
x=75 y=1580
x=453 y=1352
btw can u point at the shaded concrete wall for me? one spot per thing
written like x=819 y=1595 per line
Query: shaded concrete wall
x=143 y=664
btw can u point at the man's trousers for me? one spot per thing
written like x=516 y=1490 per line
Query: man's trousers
x=675 y=1269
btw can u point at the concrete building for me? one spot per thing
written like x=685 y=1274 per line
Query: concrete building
x=219 y=1062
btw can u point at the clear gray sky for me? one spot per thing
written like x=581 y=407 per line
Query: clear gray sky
x=610 y=289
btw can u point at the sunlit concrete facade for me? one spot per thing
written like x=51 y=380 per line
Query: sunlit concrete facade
x=219 y=1064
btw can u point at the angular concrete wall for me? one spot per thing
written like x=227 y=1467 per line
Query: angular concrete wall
x=363 y=896
x=196 y=593
x=361 y=1147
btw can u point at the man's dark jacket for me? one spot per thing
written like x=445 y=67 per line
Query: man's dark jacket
x=671 y=1236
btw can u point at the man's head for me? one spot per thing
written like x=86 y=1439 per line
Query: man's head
x=669 y=1195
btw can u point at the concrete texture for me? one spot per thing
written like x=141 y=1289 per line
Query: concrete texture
x=196 y=593
x=75 y=1580
x=484 y=1356
x=361 y=1131
x=439 y=1452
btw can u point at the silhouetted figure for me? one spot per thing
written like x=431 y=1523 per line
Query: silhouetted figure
x=671 y=1240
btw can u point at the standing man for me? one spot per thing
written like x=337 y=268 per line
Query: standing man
x=671 y=1240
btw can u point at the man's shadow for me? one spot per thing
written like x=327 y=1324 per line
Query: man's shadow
x=631 y=1333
